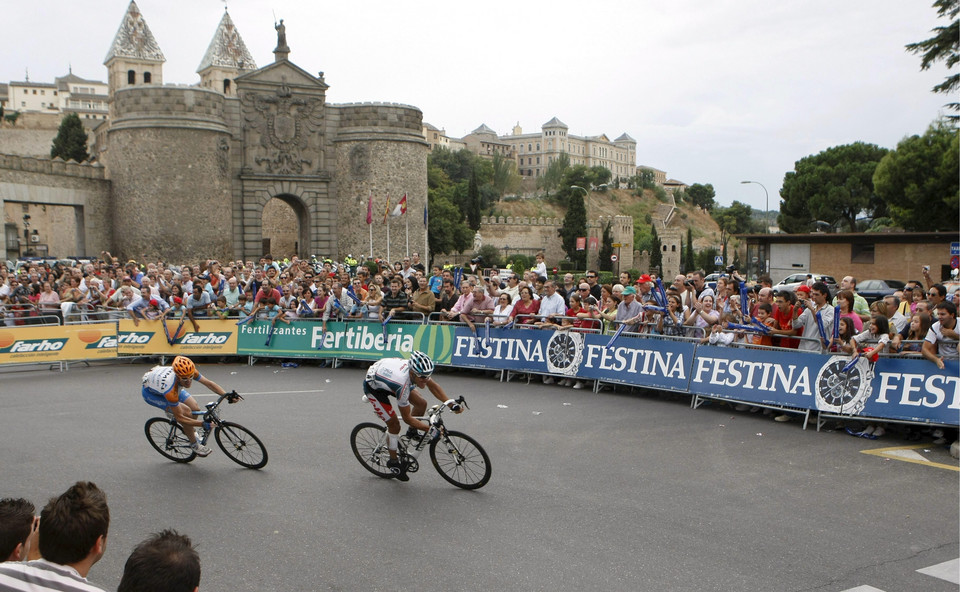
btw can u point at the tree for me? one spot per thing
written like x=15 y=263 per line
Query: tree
x=551 y=178
x=71 y=140
x=606 y=247
x=436 y=177
x=601 y=175
x=944 y=46
x=688 y=263
x=447 y=232
x=733 y=220
x=705 y=259
x=458 y=165
x=505 y=177
x=702 y=195
x=656 y=250
x=574 y=226
x=473 y=203
x=835 y=185
x=919 y=182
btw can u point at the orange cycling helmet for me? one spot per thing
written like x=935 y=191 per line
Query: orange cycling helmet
x=184 y=367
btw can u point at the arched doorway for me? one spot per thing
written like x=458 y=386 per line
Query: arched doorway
x=283 y=227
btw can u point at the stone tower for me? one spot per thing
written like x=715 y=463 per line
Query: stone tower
x=167 y=156
x=671 y=239
x=227 y=57
x=134 y=57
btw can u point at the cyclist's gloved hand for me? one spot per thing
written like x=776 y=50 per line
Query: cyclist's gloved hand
x=453 y=405
x=206 y=426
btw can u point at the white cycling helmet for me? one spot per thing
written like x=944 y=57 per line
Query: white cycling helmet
x=421 y=364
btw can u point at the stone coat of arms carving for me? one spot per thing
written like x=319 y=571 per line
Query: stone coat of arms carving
x=286 y=123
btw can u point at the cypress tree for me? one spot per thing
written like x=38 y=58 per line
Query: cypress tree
x=71 y=140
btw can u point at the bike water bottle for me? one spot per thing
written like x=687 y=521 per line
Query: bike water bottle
x=432 y=433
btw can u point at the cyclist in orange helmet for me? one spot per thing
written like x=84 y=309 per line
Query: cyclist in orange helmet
x=165 y=387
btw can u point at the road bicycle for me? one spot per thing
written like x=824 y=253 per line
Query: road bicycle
x=456 y=456
x=236 y=441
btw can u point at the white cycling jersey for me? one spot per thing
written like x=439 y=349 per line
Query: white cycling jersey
x=391 y=375
x=160 y=379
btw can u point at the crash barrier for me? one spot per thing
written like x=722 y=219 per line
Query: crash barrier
x=898 y=389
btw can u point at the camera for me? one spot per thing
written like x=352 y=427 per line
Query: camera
x=688 y=283
x=590 y=301
x=478 y=260
x=730 y=268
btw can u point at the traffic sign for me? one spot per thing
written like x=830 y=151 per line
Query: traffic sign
x=613 y=258
x=955 y=248
x=955 y=262
x=616 y=245
x=718 y=260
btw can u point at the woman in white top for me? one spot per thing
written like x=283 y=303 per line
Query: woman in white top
x=374 y=298
x=501 y=312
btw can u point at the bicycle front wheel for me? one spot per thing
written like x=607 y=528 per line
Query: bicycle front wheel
x=369 y=445
x=241 y=445
x=167 y=437
x=460 y=460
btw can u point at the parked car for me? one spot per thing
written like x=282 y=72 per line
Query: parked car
x=791 y=282
x=873 y=290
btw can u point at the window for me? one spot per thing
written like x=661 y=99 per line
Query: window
x=146 y=77
x=34 y=91
x=43 y=92
x=861 y=252
x=131 y=77
x=226 y=90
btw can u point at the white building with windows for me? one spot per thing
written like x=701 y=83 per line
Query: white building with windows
x=535 y=151
x=66 y=94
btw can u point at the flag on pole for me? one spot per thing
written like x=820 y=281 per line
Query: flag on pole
x=401 y=208
x=370 y=209
x=386 y=212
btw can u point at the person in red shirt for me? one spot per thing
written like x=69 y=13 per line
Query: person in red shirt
x=783 y=319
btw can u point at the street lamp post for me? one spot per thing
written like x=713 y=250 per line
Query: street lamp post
x=766 y=211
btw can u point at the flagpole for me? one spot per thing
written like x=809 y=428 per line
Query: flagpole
x=407 y=225
x=388 y=243
x=370 y=226
x=426 y=246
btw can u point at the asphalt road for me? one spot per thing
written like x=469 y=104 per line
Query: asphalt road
x=610 y=491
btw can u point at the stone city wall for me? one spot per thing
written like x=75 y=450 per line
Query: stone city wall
x=69 y=203
x=27 y=142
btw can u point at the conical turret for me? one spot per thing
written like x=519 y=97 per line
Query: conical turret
x=134 y=57
x=227 y=57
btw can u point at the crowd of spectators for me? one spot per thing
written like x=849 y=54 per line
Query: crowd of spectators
x=917 y=321
x=56 y=550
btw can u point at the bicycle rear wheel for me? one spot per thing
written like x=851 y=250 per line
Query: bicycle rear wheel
x=167 y=437
x=370 y=447
x=461 y=460
x=241 y=445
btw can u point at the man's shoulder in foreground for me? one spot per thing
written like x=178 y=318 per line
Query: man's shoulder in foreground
x=42 y=576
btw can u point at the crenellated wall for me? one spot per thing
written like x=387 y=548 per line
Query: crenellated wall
x=68 y=203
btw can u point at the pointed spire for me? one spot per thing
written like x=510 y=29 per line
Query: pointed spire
x=134 y=39
x=227 y=49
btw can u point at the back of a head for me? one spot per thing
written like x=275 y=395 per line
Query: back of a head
x=16 y=520
x=165 y=562
x=71 y=523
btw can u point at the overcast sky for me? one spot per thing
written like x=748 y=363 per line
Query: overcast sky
x=713 y=92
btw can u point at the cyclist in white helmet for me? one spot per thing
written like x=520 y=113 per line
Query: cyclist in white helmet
x=401 y=379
